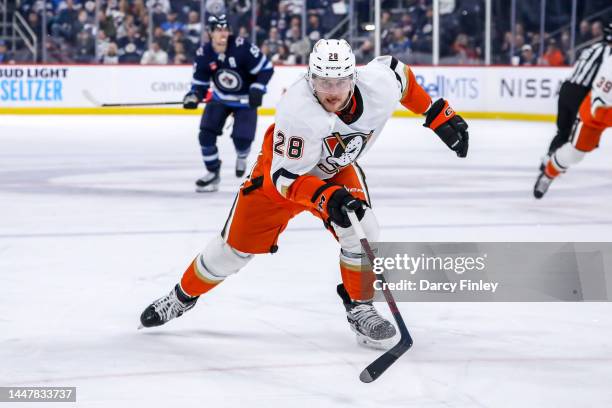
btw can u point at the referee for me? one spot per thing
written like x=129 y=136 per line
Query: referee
x=576 y=87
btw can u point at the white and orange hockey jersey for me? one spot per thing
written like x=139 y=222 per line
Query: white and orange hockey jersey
x=599 y=103
x=310 y=145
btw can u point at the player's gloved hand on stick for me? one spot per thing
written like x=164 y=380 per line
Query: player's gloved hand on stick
x=255 y=97
x=340 y=201
x=449 y=126
x=191 y=100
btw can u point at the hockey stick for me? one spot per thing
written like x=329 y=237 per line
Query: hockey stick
x=109 y=105
x=94 y=101
x=376 y=368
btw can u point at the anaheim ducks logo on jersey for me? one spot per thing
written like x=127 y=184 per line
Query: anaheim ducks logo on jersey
x=343 y=150
x=228 y=80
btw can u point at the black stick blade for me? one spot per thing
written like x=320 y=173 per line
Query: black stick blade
x=380 y=365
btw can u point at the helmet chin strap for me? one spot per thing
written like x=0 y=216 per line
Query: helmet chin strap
x=348 y=99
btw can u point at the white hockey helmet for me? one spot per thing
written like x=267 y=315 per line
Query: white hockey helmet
x=333 y=59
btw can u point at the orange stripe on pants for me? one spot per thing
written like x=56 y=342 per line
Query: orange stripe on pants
x=195 y=284
x=358 y=281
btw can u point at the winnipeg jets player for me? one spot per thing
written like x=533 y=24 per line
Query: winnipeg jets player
x=238 y=73
x=308 y=162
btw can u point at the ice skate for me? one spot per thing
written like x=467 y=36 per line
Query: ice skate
x=541 y=186
x=174 y=304
x=241 y=165
x=209 y=183
x=372 y=330
x=544 y=160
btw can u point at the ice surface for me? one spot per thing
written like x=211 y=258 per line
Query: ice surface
x=98 y=217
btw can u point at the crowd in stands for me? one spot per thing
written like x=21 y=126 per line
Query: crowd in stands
x=168 y=32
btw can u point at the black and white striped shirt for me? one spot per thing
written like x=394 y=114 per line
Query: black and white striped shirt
x=589 y=62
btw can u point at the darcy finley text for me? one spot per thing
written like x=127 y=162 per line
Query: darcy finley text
x=451 y=287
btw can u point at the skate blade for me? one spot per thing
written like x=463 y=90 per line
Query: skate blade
x=207 y=189
x=383 y=345
x=140 y=327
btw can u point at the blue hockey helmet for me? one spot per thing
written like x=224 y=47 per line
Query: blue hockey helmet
x=217 y=21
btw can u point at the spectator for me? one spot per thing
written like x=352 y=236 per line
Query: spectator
x=84 y=23
x=553 y=55
x=172 y=25
x=295 y=6
x=597 y=30
x=103 y=43
x=178 y=49
x=407 y=25
x=55 y=51
x=273 y=41
x=506 y=47
x=386 y=29
x=65 y=24
x=365 y=53
x=162 y=5
x=84 y=48
x=293 y=34
x=131 y=47
x=534 y=41
x=519 y=41
x=193 y=29
x=243 y=32
x=399 y=45
x=155 y=55
x=585 y=32
x=160 y=37
x=35 y=23
x=107 y=25
x=265 y=50
x=462 y=50
x=313 y=29
x=280 y=18
x=112 y=55
x=298 y=46
x=527 y=57
x=187 y=46
x=565 y=42
x=5 y=56
x=180 y=59
x=215 y=7
x=239 y=13
x=283 y=57
x=423 y=37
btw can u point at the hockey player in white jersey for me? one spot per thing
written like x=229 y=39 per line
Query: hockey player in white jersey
x=324 y=123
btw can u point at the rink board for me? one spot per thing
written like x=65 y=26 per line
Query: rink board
x=522 y=93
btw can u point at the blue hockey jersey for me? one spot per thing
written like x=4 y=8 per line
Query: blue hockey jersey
x=233 y=73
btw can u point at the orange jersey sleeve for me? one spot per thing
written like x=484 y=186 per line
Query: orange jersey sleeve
x=414 y=96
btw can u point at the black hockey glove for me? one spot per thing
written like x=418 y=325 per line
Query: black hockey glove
x=338 y=201
x=255 y=97
x=191 y=100
x=449 y=127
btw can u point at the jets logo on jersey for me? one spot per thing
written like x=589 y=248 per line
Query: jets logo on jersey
x=343 y=150
x=228 y=80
